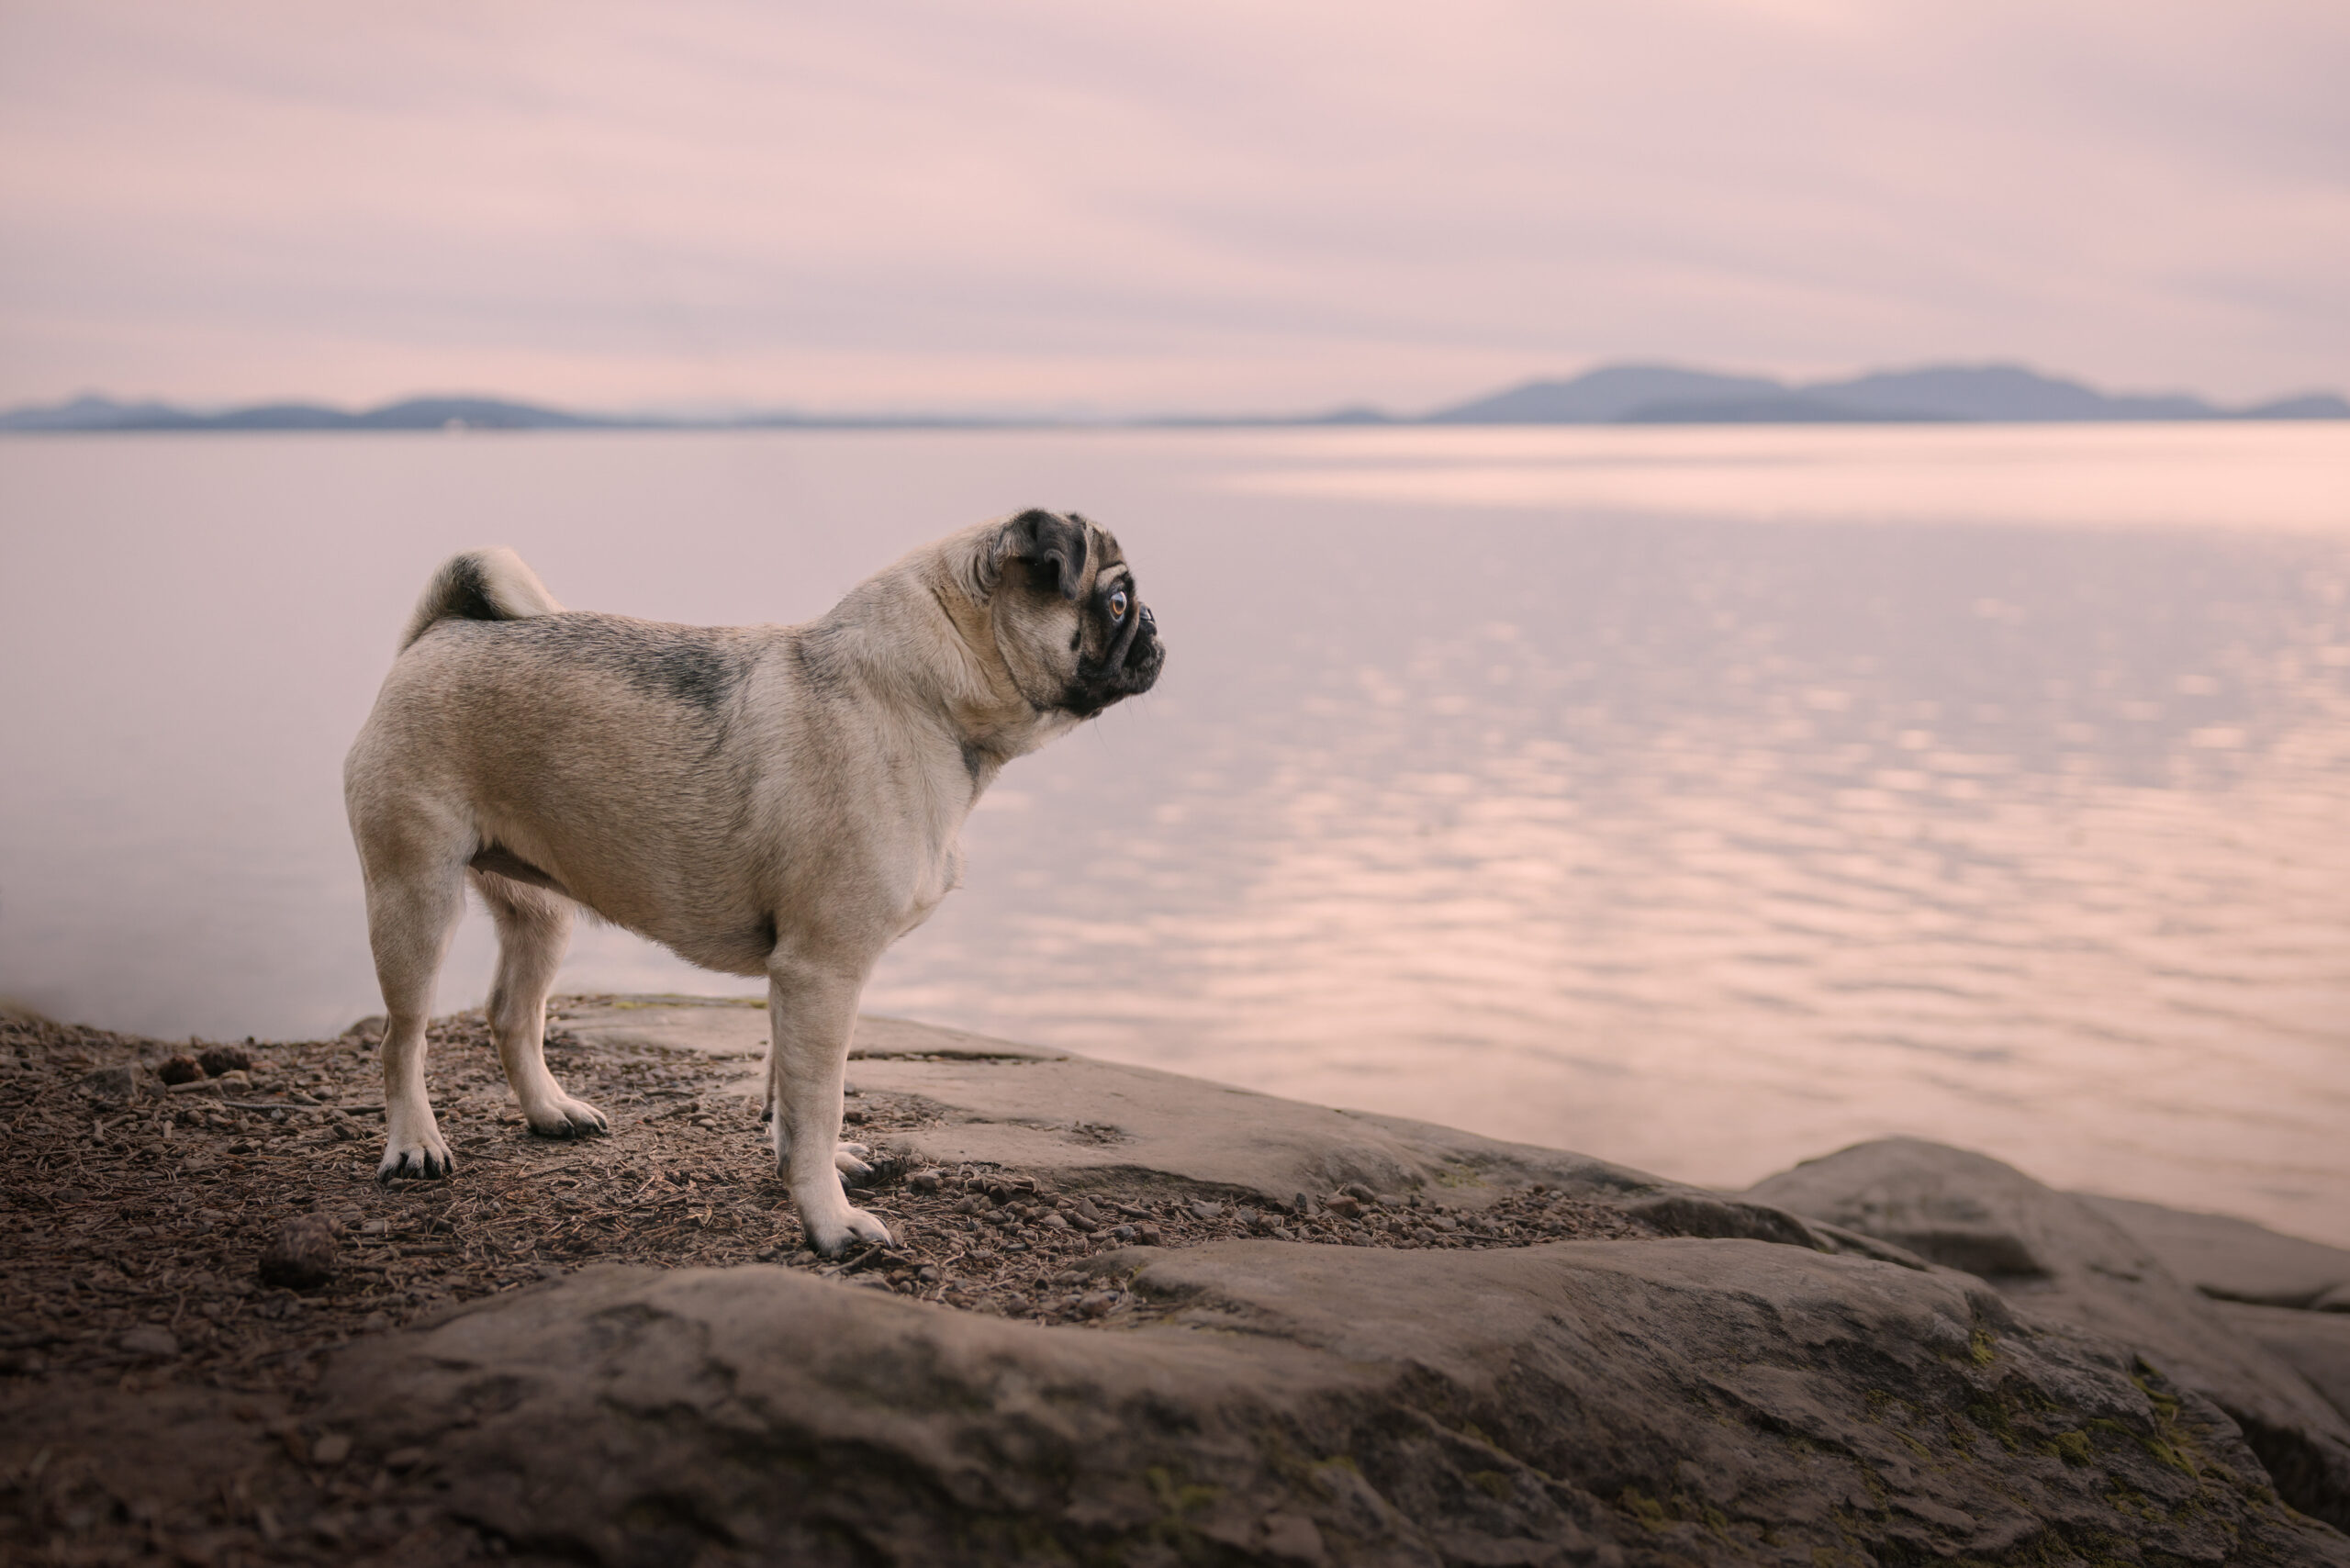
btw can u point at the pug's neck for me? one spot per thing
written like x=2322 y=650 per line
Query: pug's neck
x=915 y=636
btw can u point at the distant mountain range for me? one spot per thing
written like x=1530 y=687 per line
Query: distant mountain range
x=1650 y=394
x=1614 y=395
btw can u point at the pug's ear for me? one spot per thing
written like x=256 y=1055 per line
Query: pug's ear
x=1057 y=548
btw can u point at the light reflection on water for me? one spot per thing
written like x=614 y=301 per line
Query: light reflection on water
x=1702 y=799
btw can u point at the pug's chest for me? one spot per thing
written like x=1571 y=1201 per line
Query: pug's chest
x=940 y=876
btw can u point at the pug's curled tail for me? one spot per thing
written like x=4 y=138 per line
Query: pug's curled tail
x=480 y=584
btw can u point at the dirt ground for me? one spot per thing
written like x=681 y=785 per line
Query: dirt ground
x=153 y=1383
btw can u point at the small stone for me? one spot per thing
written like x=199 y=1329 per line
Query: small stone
x=924 y=1181
x=1098 y=1304
x=1345 y=1205
x=181 y=1069
x=1292 y=1538
x=152 y=1341
x=112 y=1085
x=1360 y=1192
x=853 y=1115
x=219 y=1060
x=332 y=1448
x=301 y=1256
x=1123 y=1232
x=1147 y=1235
x=1203 y=1211
x=404 y=1459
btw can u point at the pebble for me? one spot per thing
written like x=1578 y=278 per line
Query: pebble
x=152 y=1340
x=111 y=1083
x=1206 y=1210
x=1345 y=1205
x=220 y=1059
x=925 y=1181
x=332 y=1448
x=181 y=1069
x=301 y=1255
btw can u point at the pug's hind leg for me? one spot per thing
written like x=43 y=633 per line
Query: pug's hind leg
x=412 y=909
x=533 y=931
x=811 y=1010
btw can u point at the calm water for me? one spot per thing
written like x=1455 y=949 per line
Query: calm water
x=1706 y=799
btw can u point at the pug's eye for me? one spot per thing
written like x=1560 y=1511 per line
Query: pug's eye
x=1118 y=605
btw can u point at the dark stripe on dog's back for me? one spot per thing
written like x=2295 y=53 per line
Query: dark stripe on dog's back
x=697 y=666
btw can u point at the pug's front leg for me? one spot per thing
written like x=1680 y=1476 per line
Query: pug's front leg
x=810 y=1011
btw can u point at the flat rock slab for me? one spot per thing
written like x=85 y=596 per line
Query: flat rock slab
x=1632 y=1403
x=1081 y=1122
x=2230 y=1258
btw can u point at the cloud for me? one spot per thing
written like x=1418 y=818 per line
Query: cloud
x=1156 y=206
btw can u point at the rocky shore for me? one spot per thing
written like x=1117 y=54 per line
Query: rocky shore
x=1129 y=1317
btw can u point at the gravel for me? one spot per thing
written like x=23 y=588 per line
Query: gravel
x=220 y=1237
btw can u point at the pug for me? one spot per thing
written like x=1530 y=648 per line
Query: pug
x=775 y=801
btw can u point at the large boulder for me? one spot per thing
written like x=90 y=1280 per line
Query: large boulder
x=1625 y=1403
x=2314 y=1344
x=2064 y=1258
x=2230 y=1258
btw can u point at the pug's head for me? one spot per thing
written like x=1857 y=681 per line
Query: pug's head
x=1066 y=616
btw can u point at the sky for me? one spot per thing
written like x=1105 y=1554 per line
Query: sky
x=1043 y=206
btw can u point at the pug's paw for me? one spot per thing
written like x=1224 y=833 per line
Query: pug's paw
x=562 y=1116
x=830 y=1234
x=847 y=1161
x=422 y=1155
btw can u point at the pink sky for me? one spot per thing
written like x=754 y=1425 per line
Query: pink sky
x=1159 y=207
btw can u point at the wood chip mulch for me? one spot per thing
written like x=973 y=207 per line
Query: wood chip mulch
x=157 y=1233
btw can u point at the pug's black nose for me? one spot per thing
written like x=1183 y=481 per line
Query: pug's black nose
x=1149 y=621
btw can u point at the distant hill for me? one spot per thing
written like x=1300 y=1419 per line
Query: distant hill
x=1643 y=394
x=1608 y=396
x=1615 y=394
x=93 y=413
